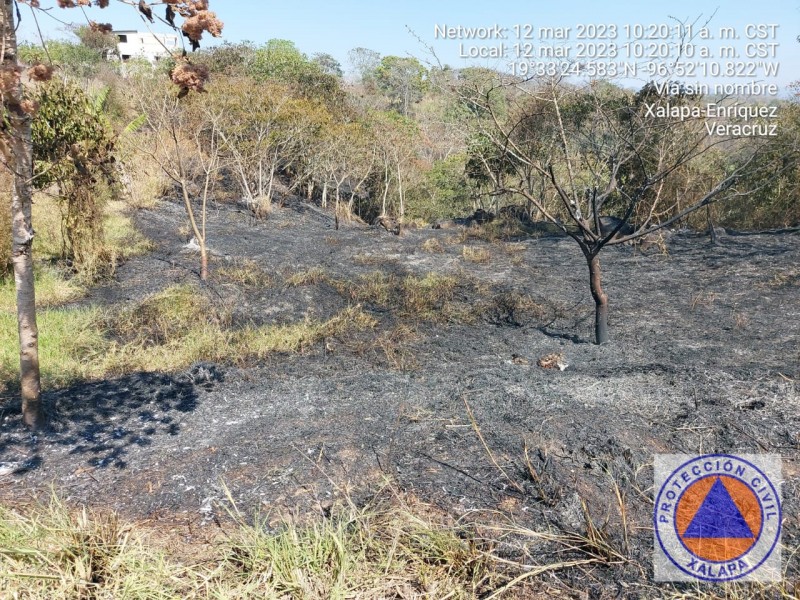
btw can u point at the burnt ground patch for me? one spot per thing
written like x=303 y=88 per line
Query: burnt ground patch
x=704 y=358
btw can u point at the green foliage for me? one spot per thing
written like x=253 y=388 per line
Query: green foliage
x=484 y=85
x=104 y=43
x=443 y=192
x=68 y=134
x=403 y=80
x=75 y=59
x=327 y=64
x=485 y=160
x=135 y=125
x=281 y=61
x=72 y=146
x=776 y=176
x=229 y=58
x=276 y=128
x=364 y=61
x=99 y=101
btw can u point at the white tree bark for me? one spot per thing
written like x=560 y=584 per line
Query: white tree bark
x=20 y=159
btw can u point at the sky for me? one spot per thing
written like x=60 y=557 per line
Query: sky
x=335 y=27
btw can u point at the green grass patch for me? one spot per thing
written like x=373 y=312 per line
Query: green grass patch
x=167 y=331
x=71 y=345
x=167 y=316
x=52 y=289
x=121 y=238
x=297 y=337
x=375 y=552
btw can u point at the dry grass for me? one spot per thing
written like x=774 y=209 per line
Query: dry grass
x=54 y=553
x=497 y=230
x=431 y=297
x=247 y=273
x=48 y=244
x=53 y=288
x=704 y=299
x=371 y=260
x=393 y=547
x=740 y=320
x=298 y=337
x=120 y=240
x=433 y=246
x=515 y=251
x=513 y=248
x=656 y=240
x=512 y=308
x=394 y=343
x=388 y=549
x=475 y=254
x=310 y=276
x=143 y=181
x=380 y=551
x=179 y=326
x=789 y=277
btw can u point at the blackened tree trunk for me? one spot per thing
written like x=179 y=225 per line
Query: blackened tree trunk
x=600 y=300
x=19 y=155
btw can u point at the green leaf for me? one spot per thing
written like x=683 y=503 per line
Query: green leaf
x=135 y=125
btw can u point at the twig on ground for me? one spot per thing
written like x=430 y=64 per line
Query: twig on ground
x=477 y=429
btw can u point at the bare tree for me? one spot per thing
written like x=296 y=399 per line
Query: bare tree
x=187 y=150
x=345 y=158
x=598 y=161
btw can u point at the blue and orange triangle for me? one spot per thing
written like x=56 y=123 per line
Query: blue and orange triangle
x=718 y=517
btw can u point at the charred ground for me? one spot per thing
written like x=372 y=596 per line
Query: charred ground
x=704 y=358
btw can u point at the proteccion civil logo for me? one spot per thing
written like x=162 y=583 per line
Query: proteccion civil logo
x=717 y=518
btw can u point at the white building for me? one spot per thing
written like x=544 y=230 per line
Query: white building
x=150 y=46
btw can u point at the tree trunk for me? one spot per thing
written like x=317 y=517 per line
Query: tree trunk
x=198 y=235
x=260 y=179
x=203 y=261
x=385 y=188
x=600 y=301
x=711 y=231
x=20 y=158
x=336 y=208
x=400 y=192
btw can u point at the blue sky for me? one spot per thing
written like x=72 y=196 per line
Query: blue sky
x=336 y=27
